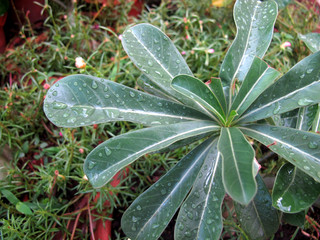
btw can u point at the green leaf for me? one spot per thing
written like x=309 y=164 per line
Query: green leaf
x=306 y=117
x=312 y=40
x=260 y=76
x=156 y=56
x=151 y=212
x=111 y=156
x=258 y=219
x=316 y=121
x=254 y=20
x=148 y=86
x=10 y=196
x=297 y=88
x=81 y=100
x=298 y=147
x=200 y=216
x=295 y=219
x=198 y=91
x=237 y=165
x=216 y=87
x=293 y=190
x=23 y=208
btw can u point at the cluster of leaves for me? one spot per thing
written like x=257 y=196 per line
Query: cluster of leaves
x=41 y=154
x=248 y=100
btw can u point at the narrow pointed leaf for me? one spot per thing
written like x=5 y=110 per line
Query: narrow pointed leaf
x=151 y=212
x=237 y=165
x=156 y=56
x=197 y=91
x=312 y=40
x=306 y=117
x=297 y=88
x=81 y=100
x=111 y=156
x=316 y=121
x=258 y=79
x=254 y=20
x=258 y=219
x=293 y=190
x=216 y=87
x=150 y=87
x=300 y=148
x=200 y=216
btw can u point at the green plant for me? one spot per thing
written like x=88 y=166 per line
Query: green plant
x=248 y=101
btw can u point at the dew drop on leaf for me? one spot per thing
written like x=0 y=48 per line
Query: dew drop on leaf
x=94 y=85
x=55 y=93
x=132 y=94
x=163 y=191
x=59 y=105
x=91 y=164
x=139 y=208
x=107 y=151
x=313 y=145
x=306 y=168
x=134 y=219
x=304 y=101
x=154 y=226
x=309 y=70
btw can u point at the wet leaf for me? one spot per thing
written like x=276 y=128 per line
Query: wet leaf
x=151 y=212
x=237 y=165
x=200 y=216
x=293 y=190
x=111 y=156
x=299 y=147
x=81 y=100
x=258 y=219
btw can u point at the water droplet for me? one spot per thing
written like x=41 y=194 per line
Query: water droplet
x=132 y=94
x=71 y=120
x=139 y=208
x=163 y=191
x=107 y=96
x=209 y=221
x=55 y=93
x=277 y=108
x=309 y=70
x=106 y=89
x=313 y=145
x=302 y=76
x=181 y=227
x=107 y=151
x=150 y=63
x=178 y=61
x=134 y=219
x=304 y=101
x=187 y=234
x=133 y=228
x=75 y=83
x=305 y=137
x=91 y=164
x=306 y=168
x=59 y=105
x=94 y=85
x=190 y=215
x=154 y=226
x=159 y=73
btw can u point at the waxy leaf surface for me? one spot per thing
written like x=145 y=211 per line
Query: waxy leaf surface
x=258 y=219
x=151 y=212
x=108 y=158
x=254 y=20
x=156 y=56
x=312 y=40
x=200 y=216
x=259 y=77
x=237 y=165
x=301 y=148
x=81 y=100
x=293 y=190
x=299 y=87
x=197 y=91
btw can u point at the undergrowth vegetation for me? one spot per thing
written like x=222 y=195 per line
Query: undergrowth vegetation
x=44 y=191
